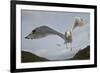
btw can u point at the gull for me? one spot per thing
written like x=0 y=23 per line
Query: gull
x=43 y=31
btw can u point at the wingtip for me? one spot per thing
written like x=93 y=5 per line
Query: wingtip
x=26 y=37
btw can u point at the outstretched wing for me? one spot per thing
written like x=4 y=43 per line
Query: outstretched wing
x=79 y=22
x=43 y=31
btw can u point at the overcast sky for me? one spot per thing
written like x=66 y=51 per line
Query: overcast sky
x=53 y=47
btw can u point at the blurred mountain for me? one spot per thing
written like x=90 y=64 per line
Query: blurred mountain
x=30 y=57
x=82 y=54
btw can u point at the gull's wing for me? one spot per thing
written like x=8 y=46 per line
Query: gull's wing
x=79 y=22
x=43 y=31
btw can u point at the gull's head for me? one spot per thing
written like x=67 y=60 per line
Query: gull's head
x=68 y=34
x=35 y=34
x=38 y=33
x=31 y=35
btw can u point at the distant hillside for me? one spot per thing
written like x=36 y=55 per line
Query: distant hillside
x=82 y=54
x=30 y=57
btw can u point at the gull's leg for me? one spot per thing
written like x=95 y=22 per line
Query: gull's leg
x=67 y=45
x=71 y=46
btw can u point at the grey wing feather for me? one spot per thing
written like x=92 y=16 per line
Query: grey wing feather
x=43 y=31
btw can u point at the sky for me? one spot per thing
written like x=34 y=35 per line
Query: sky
x=52 y=47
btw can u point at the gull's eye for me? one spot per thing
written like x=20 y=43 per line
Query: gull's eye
x=33 y=31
